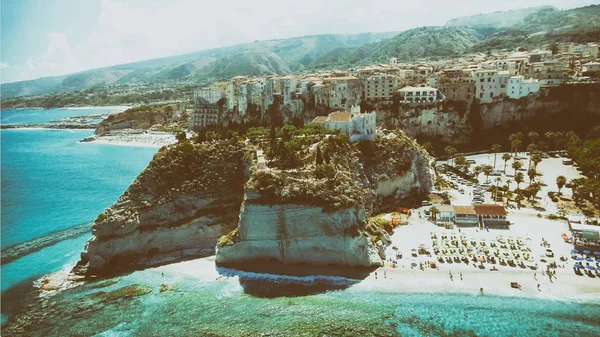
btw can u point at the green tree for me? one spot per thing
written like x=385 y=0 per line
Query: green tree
x=533 y=137
x=429 y=148
x=560 y=183
x=461 y=162
x=519 y=198
x=319 y=159
x=519 y=178
x=181 y=137
x=496 y=148
x=506 y=157
x=536 y=158
x=433 y=213
x=516 y=165
x=450 y=152
x=531 y=173
x=487 y=169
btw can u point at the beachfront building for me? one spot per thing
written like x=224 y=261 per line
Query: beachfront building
x=357 y=125
x=447 y=213
x=418 y=95
x=519 y=87
x=465 y=216
x=491 y=215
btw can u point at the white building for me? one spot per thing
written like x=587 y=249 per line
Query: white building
x=490 y=84
x=519 y=87
x=414 y=95
x=591 y=66
x=210 y=94
x=357 y=125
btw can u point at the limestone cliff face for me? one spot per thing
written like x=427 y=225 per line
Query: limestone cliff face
x=293 y=233
x=178 y=207
x=324 y=220
x=193 y=196
x=452 y=123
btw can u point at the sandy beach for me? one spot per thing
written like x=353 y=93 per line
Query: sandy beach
x=135 y=138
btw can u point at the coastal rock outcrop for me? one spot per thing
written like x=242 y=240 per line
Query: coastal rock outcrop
x=143 y=118
x=195 y=197
x=178 y=207
x=319 y=214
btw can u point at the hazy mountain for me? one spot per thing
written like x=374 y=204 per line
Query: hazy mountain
x=501 y=19
x=411 y=44
x=545 y=26
x=259 y=57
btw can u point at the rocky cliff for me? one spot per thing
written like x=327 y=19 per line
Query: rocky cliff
x=165 y=116
x=561 y=108
x=193 y=196
x=318 y=214
x=178 y=207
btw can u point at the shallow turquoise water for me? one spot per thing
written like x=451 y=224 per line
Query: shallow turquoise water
x=38 y=116
x=50 y=182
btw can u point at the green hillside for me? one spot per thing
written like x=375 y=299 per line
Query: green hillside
x=578 y=25
x=501 y=19
x=284 y=56
x=424 y=42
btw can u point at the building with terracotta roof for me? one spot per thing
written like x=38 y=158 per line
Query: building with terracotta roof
x=465 y=216
x=491 y=215
x=357 y=125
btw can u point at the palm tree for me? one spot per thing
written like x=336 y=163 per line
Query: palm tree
x=560 y=182
x=515 y=138
x=519 y=198
x=531 y=148
x=497 y=183
x=450 y=152
x=517 y=165
x=434 y=212
x=487 y=169
x=533 y=136
x=505 y=157
x=477 y=170
x=550 y=138
x=519 y=178
x=496 y=148
x=531 y=173
x=536 y=158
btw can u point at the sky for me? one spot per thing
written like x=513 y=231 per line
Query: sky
x=55 y=37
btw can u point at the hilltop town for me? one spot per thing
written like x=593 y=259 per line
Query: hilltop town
x=455 y=83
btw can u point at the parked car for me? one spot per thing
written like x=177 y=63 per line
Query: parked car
x=567 y=162
x=425 y=203
x=471 y=161
x=545 y=155
x=496 y=173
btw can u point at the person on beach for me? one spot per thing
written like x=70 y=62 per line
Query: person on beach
x=461 y=277
x=385 y=274
x=535 y=276
x=375 y=275
x=538 y=286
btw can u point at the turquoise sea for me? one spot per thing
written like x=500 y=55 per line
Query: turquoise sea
x=51 y=182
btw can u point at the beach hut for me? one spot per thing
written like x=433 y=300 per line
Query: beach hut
x=465 y=216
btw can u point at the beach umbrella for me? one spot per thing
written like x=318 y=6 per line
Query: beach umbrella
x=589 y=259
x=586 y=252
x=577 y=265
x=591 y=267
x=597 y=253
x=574 y=251
x=579 y=258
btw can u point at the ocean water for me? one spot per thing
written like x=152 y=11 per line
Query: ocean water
x=51 y=182
x=38 y=116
